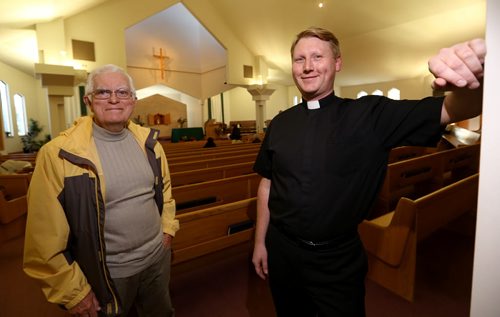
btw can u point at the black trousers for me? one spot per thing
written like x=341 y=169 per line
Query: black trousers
x=316 y=283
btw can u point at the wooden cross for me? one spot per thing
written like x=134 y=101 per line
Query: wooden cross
x=162 y=58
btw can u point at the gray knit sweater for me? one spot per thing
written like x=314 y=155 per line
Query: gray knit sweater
x=133 y=232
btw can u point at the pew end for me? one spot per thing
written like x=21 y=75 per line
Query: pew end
x=391 y=239
x=13 y=213
x=15 y=184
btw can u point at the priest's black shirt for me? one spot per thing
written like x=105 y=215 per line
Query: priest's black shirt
x=326 y=165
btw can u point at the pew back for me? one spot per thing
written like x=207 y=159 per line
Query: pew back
x=186 y=166
x=213 y=155
x=211 y=229
x=210 y=173
x=420 y=175
x=219 y=149
x=407 y=152
x=212 y=193
x=391 y=240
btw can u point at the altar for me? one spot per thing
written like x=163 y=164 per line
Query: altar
x=187 y=134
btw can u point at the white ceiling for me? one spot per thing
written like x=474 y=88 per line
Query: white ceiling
x=381 y=40
x=189 y=47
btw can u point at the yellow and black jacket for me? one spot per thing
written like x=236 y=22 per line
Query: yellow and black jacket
x=64 y=244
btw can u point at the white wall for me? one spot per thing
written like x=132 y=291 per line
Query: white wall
x=20 y=83
x=486 y=274
x=193 y=105
x=411 y=88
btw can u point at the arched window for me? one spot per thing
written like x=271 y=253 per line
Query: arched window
x=21 y=121
x=378 y=92
x=394 y=93
x=362 y=93
x=6 y=112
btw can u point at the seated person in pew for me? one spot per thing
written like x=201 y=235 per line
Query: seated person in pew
x=101 y=215
x=256 y=139
x=210 y=143
x=322 y=163
x=235 y=135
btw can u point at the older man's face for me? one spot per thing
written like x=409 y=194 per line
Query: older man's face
x=112 y=113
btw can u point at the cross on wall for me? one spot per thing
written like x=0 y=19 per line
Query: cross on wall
x=162 y=59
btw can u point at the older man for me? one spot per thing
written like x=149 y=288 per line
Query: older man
x=100 y=210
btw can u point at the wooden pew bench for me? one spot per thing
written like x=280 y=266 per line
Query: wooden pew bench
x=207 y=156
x=213 y=193
x=210 y=173
x=28 y=157
x=170 y=147
x=210 y=150
x=415 y=177
x=460 y=162
x=211 y=229
x=407 y=152
x=15 y=184
x=13 y=210
x=246 y=126
x=391 y=240
x=410 y=178
x=186 y=166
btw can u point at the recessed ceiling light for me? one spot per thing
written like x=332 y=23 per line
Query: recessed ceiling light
x=321 y=4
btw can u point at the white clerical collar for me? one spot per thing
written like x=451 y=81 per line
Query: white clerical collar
x=313 y=104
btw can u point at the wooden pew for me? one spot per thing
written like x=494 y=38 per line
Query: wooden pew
x=19 y=156
x=213 y=193
x=420 y=175
x=213 y=155
x=186 y=166
x=391 y=240
x=180 y=146
x=13 y=211
x=210 y=173
x=460 y=162
x=246 y=126
x=211 y=229
x=407 y=152
x=217 y=149
x=410 y=178
x=15 y=184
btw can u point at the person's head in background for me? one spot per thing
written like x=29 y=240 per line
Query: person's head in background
x=210 y=142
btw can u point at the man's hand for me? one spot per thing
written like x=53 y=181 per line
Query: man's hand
x=259 y=260
x=167 y=240
x=459 y=66
x=88 y=307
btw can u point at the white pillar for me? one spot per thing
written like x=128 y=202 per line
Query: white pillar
x=486 y=273
x=260 y=94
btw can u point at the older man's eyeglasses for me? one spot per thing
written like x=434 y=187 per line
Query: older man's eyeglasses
x=103 y=94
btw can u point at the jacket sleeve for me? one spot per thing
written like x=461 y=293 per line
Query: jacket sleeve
x=169 y=223
x=47 y=232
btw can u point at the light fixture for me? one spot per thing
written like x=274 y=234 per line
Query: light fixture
x=320 y=4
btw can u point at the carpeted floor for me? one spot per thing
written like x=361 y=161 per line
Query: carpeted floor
x=224 y=284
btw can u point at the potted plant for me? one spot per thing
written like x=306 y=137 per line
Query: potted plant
x=30 y=142
x=181 y=122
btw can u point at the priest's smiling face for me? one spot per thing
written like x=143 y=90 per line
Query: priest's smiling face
x=314 y=67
